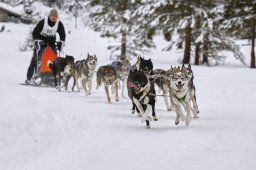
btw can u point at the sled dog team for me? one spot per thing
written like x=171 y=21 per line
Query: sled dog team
x=176 y=84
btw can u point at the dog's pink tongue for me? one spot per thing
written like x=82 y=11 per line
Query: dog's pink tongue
x=178 y=86
x=130 y=84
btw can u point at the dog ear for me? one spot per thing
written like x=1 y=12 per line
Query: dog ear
x=189 y=67
x=171 y=68
x=178 y=68
x=183 y=68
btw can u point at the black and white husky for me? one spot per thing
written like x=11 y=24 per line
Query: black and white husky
x=84 y=72
x=183 y=94
x=58 y=66
x=139 y=88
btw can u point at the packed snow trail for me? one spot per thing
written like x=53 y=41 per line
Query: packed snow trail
x=43 y=129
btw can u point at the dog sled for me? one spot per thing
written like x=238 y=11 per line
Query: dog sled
x=42 y=72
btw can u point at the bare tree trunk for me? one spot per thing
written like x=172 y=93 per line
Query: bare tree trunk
x=123 y=33
x=197 y=50
x=186 y=57
x=253 y=43
x=123 y=46
x=50 y=3
x=205 y=49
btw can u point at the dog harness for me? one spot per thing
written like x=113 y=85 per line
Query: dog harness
x=181 y=99
x=49 y=31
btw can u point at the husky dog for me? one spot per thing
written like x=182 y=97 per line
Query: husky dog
x=146 y=66
x=163 y=83
x=139 y=91
x=69 y=71
x=181 y=93
x=191 y=84
x=122 y=68
x=57 y=68
x=107 y=75
x=84 y=71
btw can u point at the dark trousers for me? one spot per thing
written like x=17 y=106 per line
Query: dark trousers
x=32 y=65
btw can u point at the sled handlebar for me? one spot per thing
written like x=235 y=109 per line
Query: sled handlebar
x=41 y=43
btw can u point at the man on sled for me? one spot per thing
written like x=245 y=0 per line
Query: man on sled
x=44 y=35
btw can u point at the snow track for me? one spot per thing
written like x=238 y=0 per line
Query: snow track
x=43 y=129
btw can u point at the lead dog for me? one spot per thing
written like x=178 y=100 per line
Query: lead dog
x=146 y=66
x=182 y=94
x=84 y=71
x=107 y=75
x=191 y=85
x=139 y=91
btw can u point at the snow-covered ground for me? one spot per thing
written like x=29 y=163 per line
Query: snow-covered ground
x=43 y=129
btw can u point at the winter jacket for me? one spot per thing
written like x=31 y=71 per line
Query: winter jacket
x=39 y=27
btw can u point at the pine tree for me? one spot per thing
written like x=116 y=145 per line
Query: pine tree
x=74 y=7
x=193 y=24
x=240 y=21
x=115 y=19
x=27 y=17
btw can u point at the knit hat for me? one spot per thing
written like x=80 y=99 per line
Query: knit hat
x=53 y=12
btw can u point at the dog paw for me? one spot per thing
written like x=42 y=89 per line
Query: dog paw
x=188 y=120
x=155 y=118
x=196 y=117
x=147 y=127
x=169 y=109
x=177 y=121
x=117 y=99
x=144 y=118
x=133 y=111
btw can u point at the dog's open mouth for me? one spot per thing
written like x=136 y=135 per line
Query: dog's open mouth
x=179 y=86
x=92 y=64
x=137 y=87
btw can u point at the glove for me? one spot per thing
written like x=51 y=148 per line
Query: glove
x=59 y=45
